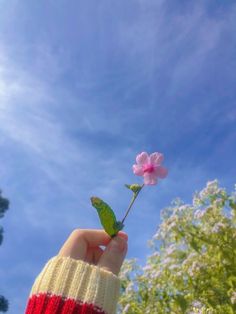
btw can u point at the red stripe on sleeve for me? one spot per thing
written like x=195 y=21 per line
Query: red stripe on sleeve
x=52 y=304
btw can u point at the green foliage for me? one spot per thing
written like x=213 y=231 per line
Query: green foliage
x=3 y=304
x=192 y=268
x=4 y=205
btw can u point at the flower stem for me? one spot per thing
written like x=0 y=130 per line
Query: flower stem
x=131 y=203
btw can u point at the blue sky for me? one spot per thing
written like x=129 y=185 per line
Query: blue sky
x=84 y=87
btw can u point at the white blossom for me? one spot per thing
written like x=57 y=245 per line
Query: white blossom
x=233 y=298
x=166 y=260
x=129 y=288
x=199 y=213
x=170 y=249
x=197 y=304
x=126 y=308
x=194 y=268
x=175 y=265
x=217 y=227
x=147 y=267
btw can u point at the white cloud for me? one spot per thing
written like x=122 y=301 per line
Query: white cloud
x=25 y=118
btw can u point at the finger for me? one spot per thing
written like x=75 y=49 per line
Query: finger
x=80 y=240
x=97 y=255
x=123 y=235
x=114 y=255
x=93 y=255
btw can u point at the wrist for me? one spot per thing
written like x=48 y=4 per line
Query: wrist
x=76 y=280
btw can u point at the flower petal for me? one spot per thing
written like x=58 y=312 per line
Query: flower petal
x=156 y=158
x=142 y=158
x=138 y=170
x=150 y=178
x=161 y=172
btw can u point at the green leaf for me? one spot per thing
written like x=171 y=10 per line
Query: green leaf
x=194 y=245
x=231 y=281
x=232 y=204
x=107 y=216
x=180 y=300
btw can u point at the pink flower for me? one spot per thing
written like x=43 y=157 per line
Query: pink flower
x=150 y=167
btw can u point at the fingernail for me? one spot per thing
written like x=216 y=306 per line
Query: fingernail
x=117 y=245
x=123 y=235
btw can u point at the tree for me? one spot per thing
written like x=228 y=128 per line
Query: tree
x=192 y=265
x=4 y=205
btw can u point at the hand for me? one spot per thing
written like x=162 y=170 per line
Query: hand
x=85 y=245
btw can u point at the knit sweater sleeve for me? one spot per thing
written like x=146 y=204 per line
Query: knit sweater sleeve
x=69 y=286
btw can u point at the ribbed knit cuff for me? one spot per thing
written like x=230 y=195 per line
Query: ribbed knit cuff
x=78 y=281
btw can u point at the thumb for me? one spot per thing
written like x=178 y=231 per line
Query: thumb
x=114 y=254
